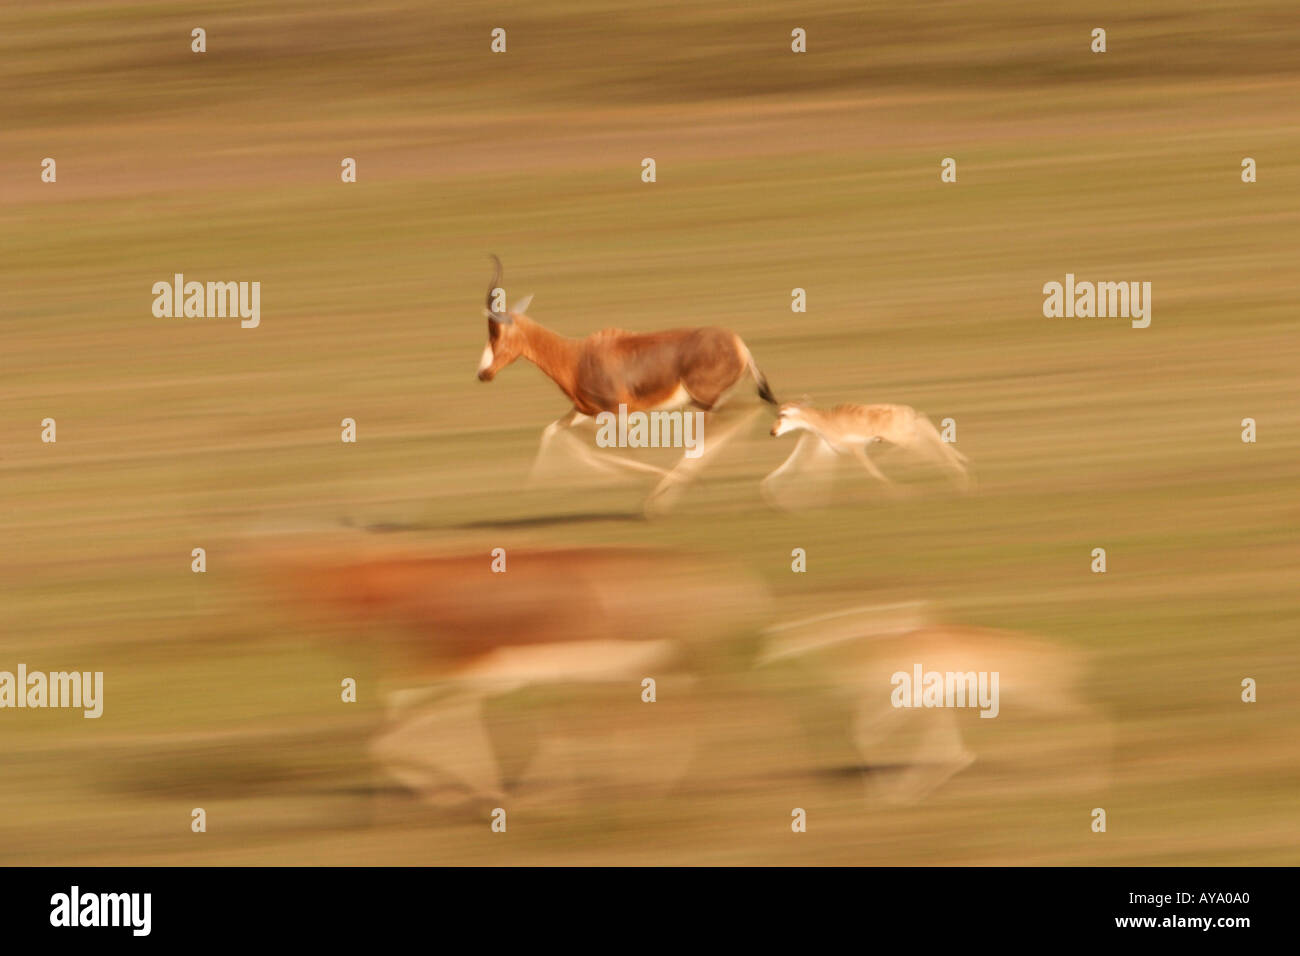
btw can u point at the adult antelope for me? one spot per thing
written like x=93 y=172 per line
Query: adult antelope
x=450 y=635
x=642 y=371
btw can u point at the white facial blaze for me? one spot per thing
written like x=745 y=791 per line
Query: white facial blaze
x=486 y=361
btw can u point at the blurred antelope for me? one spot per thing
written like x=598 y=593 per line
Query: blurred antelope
x=452 y=635
x=849 y=429
x=651 y=371
x=856 y=653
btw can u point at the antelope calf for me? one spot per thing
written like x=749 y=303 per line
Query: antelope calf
x=640 y=371
x=847 y=430
x=863 y=656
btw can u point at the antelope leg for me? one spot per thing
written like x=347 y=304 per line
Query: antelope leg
x=667 y=491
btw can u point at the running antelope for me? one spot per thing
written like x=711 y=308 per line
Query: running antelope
x=864 y=656
x=849 y=429
x=642 y=371
x=449 y=635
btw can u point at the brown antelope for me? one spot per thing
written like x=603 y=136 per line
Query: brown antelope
x=642 y=372
x=450 y=635
x=849 y=429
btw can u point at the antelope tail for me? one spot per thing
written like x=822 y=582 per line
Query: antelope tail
x=764 y=390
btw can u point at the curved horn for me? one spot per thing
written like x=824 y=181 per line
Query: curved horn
x=492 y=286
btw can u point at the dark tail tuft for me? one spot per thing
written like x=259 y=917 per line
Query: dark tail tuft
x=764 y=390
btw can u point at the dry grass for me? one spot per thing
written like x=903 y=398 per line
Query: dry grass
x=774 y=171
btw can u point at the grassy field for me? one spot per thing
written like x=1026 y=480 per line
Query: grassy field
x=775 y=171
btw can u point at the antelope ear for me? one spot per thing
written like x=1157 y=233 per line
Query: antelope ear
x=498 y=319
x=522 y=305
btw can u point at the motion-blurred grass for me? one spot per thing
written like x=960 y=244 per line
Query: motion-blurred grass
x=774 y=171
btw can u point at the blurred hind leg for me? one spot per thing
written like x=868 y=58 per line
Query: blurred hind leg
x=560 y=435
x=931 y=445
x=666 y=493
x=860 y=453
x=441 y=751
x=810 y=452
x=939 y=757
